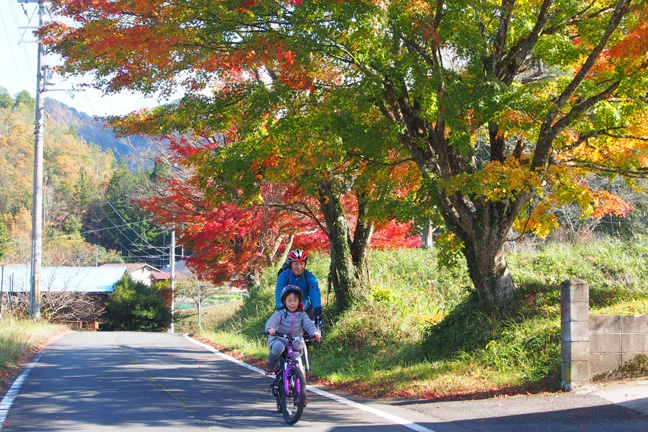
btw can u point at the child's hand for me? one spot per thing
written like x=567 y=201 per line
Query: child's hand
x=271 y=331
x=317 y=336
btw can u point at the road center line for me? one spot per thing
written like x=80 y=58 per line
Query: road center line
x=393 y=418
x=164 y=389
x=8 y=399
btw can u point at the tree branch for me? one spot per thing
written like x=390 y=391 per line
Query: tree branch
x=549 y=130
x=635 y=173
x=380 y=163
x=517 y=55
x=308 y=212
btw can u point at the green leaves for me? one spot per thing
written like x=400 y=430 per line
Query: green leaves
x=133 y=306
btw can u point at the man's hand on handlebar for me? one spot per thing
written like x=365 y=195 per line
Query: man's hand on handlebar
x=319 y=318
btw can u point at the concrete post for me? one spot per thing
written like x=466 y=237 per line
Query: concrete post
x=574 y=314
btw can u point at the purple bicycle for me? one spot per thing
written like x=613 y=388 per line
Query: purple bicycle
x=289 y=385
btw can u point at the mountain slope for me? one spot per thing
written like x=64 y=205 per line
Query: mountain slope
x=95 y=130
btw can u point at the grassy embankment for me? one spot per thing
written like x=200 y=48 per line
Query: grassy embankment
x=419 y=333
x=19 y=339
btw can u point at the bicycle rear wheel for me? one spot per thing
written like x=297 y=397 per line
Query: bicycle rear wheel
x=277 y=390
x=293 y=399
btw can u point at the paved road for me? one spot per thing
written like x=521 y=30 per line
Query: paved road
x=162 y=382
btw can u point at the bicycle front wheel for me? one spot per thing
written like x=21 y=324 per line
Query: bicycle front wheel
x=293 y=398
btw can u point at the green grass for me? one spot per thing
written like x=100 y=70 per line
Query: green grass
x=420 y=331
x=18 y=339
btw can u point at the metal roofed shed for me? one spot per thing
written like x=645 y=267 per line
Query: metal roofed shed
x=63 y=279
x=75 y=295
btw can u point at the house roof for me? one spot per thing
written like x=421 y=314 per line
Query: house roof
x=180 y=269
x=58 y=279
x=131 y=267
x=160 y=276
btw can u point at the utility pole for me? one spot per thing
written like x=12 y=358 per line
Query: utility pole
x=199 y=304
x=37 y=199
x=172 y=279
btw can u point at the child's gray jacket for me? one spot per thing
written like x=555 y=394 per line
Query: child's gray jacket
x=286 y=322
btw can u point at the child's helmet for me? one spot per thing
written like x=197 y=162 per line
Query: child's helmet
x=297 y=255
x=291 y=289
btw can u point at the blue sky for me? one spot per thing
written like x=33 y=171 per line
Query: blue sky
x=18 y=67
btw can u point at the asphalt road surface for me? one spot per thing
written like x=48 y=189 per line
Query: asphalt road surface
x=89 y=381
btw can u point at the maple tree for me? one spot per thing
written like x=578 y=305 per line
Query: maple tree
x=316 y=149
x=228 y=243
x=235 y=242
x=504 y=106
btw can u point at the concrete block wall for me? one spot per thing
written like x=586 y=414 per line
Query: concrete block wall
x=616 y=339
x=592 y=344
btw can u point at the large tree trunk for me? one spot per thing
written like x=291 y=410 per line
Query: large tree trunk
x=482 y=225
x=483 y=237
x=488 y=269
x=349 y=270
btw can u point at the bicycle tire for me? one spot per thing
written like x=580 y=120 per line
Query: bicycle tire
x=279 y=390
x=293 y=399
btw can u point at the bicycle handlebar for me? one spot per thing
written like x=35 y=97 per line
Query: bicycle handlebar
x=303 y=336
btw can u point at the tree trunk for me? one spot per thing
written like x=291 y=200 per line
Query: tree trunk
x=427 y=235
x=272 y=258
x=483 y=249
x=343 y=273
x=253 y=278
x=481 y=225
x=489 y=273
x=361 y=237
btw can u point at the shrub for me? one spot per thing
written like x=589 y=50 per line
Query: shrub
x=134 y=306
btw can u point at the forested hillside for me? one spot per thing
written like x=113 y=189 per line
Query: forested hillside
x=90 y=197
x=95 y=131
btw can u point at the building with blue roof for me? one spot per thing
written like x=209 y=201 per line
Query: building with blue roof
x=69 y=294
x=62 y=279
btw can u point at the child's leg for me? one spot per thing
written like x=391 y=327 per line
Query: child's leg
x=277 y=348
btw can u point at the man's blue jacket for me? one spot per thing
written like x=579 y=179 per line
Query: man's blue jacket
x=308 y=284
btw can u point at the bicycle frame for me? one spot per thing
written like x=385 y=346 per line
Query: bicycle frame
x=288 y=358
x=289 y=379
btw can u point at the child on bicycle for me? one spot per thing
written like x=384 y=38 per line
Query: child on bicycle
x=290 y=318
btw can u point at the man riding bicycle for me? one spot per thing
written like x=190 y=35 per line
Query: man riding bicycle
x=297 y=275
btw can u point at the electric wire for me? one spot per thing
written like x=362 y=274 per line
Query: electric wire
x=119 y=229
x=29 y=20
x=27 y=56
x=131 y=228
x=13 y=55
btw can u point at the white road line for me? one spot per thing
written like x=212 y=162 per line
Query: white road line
x=7 y=401
x=393 y=418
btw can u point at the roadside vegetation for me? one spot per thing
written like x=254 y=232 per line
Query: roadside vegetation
x=20 y=338
x=134 y=306
x=419 y=333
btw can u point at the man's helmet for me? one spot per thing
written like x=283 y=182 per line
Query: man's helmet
x=291 y=289
x=297 y=255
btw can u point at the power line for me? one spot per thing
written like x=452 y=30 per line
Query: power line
x=13 y=55
x=114 y=237
x=131 y=228
x=27 y=56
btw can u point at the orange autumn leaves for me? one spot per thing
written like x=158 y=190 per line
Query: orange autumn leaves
x=554 y=187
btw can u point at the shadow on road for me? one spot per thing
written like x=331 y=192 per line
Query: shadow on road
x=104 y=382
